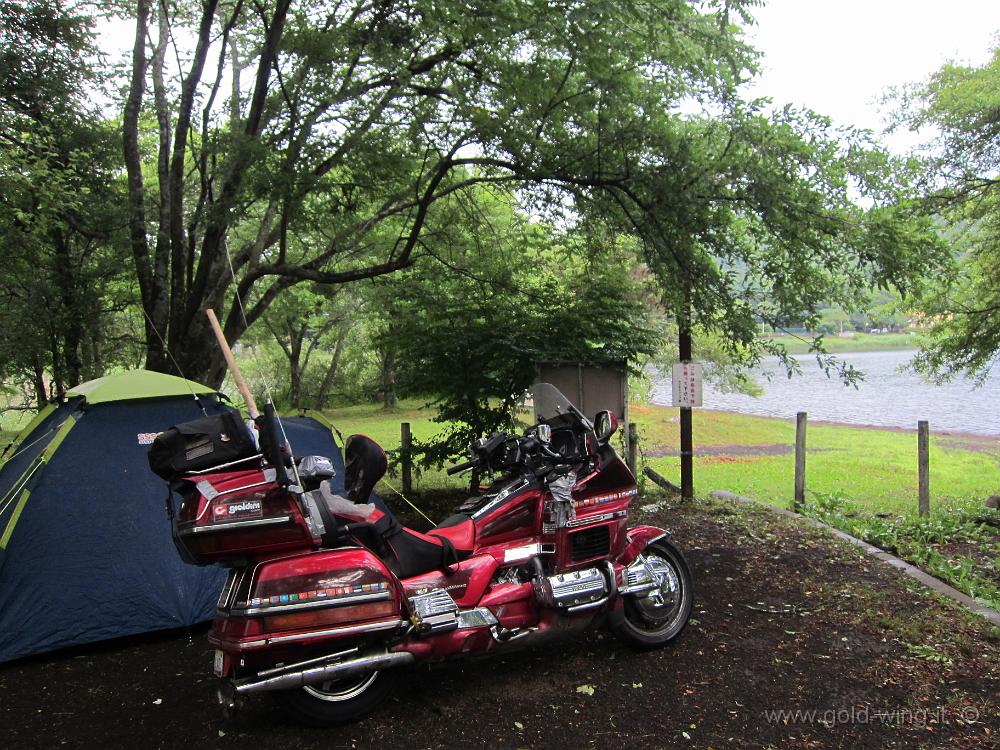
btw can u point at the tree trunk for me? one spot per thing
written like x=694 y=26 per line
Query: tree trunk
x=38 y=381
x=200 y=358
x=70 y=316
x=389 y=379
x=154 y=299
x=295 y=365
x=58 y=382
x=331 y=372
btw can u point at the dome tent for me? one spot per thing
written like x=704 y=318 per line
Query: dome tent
x=85 y=547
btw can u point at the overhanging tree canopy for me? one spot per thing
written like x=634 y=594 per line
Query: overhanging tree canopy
x=325 y=156
x=961 y=104
x=345 y=118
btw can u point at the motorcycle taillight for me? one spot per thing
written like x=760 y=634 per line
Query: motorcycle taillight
x=334 y=616
x=238 y=627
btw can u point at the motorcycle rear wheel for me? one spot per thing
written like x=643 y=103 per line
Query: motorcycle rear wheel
x=337 y=702
x=648 y=623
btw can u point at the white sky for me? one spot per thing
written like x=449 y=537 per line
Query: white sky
x=838 y=57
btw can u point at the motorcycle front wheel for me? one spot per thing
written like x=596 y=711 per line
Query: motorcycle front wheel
x=655 y=619
x=337 y=702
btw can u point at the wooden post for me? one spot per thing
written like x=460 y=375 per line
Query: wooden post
x=633 y=447
x=923 y=466
x=405 y=448
x=687 y=430
x=800 y=460
x=234 y=368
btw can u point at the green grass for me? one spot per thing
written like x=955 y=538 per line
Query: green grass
x=852 y=474
x=384 y=427
x=961 y=546
x=875 y=468
x=860 y=342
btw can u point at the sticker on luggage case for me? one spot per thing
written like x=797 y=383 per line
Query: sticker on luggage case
x=239 y=509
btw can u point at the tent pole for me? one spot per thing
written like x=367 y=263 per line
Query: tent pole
x=234 y=368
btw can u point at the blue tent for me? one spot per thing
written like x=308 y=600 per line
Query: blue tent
x=85 y=547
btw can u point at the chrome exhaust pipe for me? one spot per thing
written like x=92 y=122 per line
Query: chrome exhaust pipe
x=325 y=672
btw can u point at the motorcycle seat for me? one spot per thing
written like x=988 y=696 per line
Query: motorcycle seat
x=414 y=553
x=460 y=530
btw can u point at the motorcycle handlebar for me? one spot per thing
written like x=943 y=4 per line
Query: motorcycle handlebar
x=461 y=467
x=526 y=445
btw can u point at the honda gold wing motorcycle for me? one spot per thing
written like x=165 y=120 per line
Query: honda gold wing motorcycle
x=328 y=595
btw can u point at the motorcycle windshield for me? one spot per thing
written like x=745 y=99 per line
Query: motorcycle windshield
x=549 y=402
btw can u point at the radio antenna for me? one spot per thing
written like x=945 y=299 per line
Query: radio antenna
x=232 y=363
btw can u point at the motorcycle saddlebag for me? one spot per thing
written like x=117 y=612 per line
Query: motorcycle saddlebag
x=200 y=444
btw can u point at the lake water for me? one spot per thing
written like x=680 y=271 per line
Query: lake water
x=888 y=397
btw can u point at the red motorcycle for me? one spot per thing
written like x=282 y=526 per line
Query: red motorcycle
x=328 y=594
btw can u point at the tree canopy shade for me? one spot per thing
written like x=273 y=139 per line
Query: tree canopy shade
x=345 y=123
x=60 y=202
x=755 y=217
x=470 y=341
x=314 y=142
x=962 y=104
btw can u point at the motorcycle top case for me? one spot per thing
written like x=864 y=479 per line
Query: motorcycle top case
x=200 y=444
x=230 y=516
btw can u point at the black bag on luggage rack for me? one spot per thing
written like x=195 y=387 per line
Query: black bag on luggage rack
x=200 y=444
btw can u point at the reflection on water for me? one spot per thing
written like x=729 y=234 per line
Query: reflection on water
x=887 y=397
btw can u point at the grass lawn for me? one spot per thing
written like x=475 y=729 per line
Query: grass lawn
x=752 y=456
x=855 y=477
x=860 y=342
x=384 y=427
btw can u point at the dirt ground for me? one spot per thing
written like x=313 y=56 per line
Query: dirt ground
x=785 y=620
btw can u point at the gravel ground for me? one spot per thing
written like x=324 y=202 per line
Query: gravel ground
x=786 y=619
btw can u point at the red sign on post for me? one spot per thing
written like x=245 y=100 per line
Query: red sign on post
x=687 y=384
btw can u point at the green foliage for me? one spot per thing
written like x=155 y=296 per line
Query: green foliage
x=355 y=140
x=470 y=341
x=752 y=218
x=962 y=104
x=310 y=324
x=919 y=539
x=928 y=653
x=60 y=206
x=352 y=124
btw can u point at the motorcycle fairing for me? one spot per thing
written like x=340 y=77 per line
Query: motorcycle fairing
x=465 y=584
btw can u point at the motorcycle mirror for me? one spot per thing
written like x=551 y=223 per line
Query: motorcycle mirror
x=605 y=425
x=544 y=433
